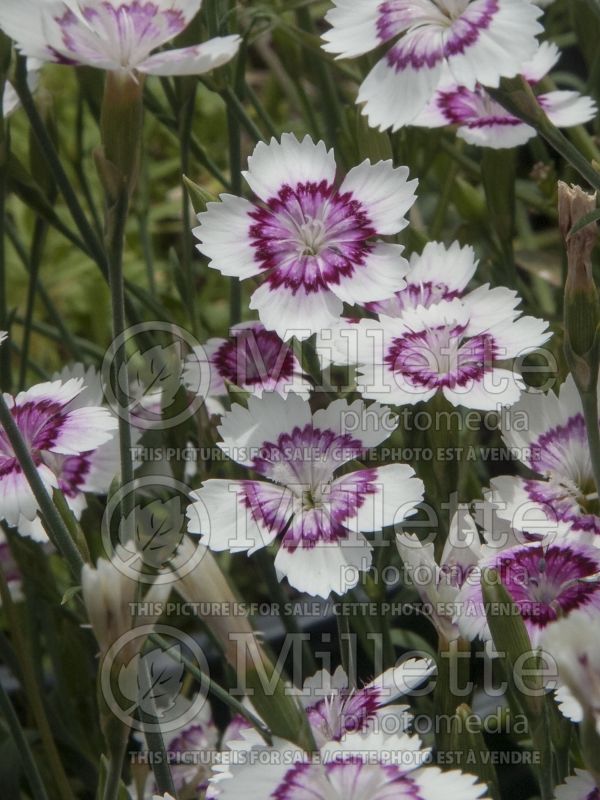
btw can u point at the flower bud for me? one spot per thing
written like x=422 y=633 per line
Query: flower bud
x=121 y=127
x=269 y=695
x=582 y=304
x=110 y=597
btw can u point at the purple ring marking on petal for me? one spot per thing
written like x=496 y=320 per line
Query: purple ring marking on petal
x=255 y=358
x=413 y=295
x=440 y=357
x=310 y=236
x=545 y=581
x=306 y=781
x=475 y=109
x=466 y=30
x=40 y=424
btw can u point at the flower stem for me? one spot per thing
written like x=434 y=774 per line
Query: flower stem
x=37 y=246
x=116 y=217
x=22 y=746
x=32 y=690
x=589 y=401
x=214 y=688
x=154 y=737
x=346 y=638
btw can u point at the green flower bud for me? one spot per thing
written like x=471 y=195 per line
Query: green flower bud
x=582 y=303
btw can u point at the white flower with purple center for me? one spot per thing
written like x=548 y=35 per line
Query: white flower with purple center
x=62 y=432
x=477 y=42
x=482 y=121
x=252 y=359
x=369 y=766
x=335 y=710
x=545 y=581
x=438 y=273
x=314 y=243
x=576 y=651
x=438 y=584
x=319 y=519
x=90 y=472
x=548 y=433
x=580 y=786
x=113 y=35
x=462 y=348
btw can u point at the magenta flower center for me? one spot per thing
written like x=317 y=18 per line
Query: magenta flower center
x=255 y=357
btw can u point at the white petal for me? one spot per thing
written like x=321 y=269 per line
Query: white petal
x=288 y=163
x=433 y=784
x=385 y=191
x=580 y=786
x=32 y=27
x=378 y=278
x=224 y=234
x=195 y=60
x=220 y=513
x=245 y=430
x=497 y=388
x=522 y=336
x=546 y=57
x=500 y=49
x=298 y=313
x=566 y=109
x=325 y=568
x=496 y=135
x=453 y=266
x=353 y=29
x=370 y=424
x=395 y=492
x=394 y=96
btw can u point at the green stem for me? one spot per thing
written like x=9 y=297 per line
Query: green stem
x=221 y=694
x=154 y=738
x=116 y=218
x=345 y=638
x=60 y=176
x=22 y=746
x=235 y=169
x=517 y=97
x=187 y=246
x=53 y=520
x=31 y=686
x=276 y=592
x=5 y=371
x=453 y=675
x=114 y=770
x=37 y=246
x=590 y=412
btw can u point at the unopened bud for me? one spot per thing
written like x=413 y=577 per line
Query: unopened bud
x=199 y=197
x=121 y=127
x=582 y=304
x=271 y=698
x=110 y=600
